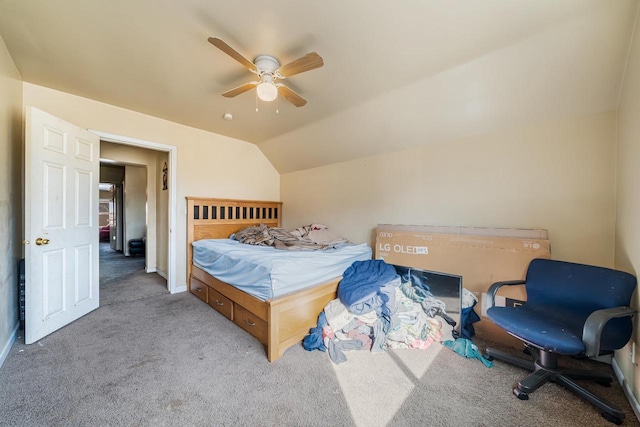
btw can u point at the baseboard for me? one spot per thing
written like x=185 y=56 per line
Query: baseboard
x=627 y=390
x=180 y=289
x=160 y=273
x=9 y=344
x=605 y=358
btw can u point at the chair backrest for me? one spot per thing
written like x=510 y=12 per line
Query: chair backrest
x=570 y=292
x=579 y=287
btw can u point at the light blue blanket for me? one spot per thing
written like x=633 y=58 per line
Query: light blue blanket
x=266 y=272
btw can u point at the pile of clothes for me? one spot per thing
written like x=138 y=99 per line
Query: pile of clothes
x=311 y=237
x=376 y=310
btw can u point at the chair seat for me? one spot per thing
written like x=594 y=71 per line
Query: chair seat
x=539 y=329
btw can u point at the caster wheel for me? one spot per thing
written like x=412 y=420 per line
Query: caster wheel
x=527 y=351
x=520 y=394
x=604 y=383
x=611 y=418
x=488 y=357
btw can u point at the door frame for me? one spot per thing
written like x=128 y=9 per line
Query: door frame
x=172 y=151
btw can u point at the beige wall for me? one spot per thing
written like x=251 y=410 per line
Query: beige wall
x=627 y=251
x=10 y=195
x=135 y=206
x=162 y=217
x=208 y=164
x=557 y=175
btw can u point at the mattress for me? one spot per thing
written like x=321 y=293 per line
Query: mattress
x=266 y=272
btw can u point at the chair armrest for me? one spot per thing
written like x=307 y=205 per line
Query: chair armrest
x=493 y=289
x=595 y=323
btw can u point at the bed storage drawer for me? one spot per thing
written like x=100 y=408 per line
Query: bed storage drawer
x=199 y=289
x=221 y=303
x=250 y=323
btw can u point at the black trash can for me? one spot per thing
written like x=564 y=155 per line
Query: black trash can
x=136 y=247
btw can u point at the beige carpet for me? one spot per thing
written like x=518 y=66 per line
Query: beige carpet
x=159 y=359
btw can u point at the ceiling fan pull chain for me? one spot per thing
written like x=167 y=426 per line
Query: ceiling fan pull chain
x=256 y=102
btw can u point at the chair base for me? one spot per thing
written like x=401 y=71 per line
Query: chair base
x=545 y=369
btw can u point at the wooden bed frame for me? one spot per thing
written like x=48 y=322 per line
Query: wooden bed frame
x=278 y=323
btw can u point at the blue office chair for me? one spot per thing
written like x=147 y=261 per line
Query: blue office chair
x=571 y=309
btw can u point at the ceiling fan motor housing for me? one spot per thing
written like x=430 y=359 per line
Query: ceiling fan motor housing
x=266 y=64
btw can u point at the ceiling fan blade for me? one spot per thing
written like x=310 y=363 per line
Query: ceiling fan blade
x=240 y=89
x=308 y=62
x=290 y=95
x=231 y=52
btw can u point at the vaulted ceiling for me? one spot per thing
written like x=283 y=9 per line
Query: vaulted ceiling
x=397 y=74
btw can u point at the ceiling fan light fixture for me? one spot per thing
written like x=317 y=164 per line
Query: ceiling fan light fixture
x=267 y=91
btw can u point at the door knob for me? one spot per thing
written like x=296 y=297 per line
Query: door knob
x=40 y=241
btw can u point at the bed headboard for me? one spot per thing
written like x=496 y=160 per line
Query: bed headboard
x=209 y=218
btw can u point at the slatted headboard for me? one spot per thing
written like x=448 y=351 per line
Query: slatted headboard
x=209 y=218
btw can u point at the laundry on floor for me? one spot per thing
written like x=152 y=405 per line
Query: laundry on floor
x=376 y=310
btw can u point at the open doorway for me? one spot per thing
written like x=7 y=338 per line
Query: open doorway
x=161 y=238
x=127 y=194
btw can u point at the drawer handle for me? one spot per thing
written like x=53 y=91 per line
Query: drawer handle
x=249 y=323
x=198 y=289
x=219 y=303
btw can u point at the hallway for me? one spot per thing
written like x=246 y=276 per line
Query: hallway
x=124 y=278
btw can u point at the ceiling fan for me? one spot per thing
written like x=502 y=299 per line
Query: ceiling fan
x=269 y=70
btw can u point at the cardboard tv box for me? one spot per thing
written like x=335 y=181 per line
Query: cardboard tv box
x=482 y=256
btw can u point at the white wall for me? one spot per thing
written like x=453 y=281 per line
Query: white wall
x=10 y=196
x=557 y=175
x=208 y=164
x=627 y=252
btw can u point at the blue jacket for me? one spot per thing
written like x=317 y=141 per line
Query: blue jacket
x=361 y=284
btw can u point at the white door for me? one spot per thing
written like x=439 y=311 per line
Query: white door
x=62 y=168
